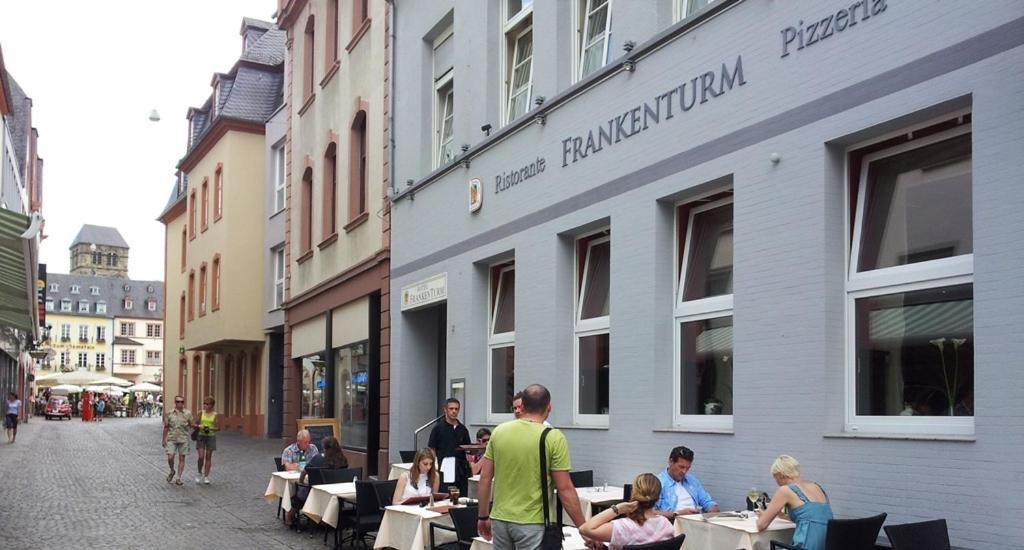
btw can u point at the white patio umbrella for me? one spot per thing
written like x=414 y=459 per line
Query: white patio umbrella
x=145 y=386
x=113 y=381
x=114 y=390
x=66 y=388
x=75 y=377
x=97 y=389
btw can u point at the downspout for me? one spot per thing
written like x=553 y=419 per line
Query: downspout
x=392 y=92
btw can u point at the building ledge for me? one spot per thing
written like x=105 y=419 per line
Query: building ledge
x=331 y=239
x=305 y=256
x=331 y=71
x=356 y=222
x=680 y=429
x=358 y=35
x=904 y=437
x=306 y=104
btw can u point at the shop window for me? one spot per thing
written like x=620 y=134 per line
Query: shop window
x=501 y=340
x=910 y=295
x=352 y=363
x=518 y=57
x=593 y=27
x=592 y=328
x=313 y=385
x=703 y=313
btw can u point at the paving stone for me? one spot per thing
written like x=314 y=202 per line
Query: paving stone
x=103 y=485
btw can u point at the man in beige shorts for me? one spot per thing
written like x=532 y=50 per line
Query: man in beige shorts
x=177 y=427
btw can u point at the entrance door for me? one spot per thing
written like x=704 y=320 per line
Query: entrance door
x=275 y=372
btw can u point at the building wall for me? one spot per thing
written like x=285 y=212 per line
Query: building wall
x=144 y=369
x=82 y=261
x=175 y=283
x=905 y=66
x=273 y=231
x=74 y=346
x=237 y=240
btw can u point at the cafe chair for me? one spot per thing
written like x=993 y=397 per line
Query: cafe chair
x=674 y=543
x=366 y=520
x=341 y=475
x=582 y=478
x=385 y=491
x=280 y=468
x=925 y=535
x=464 y=527
x=407 y=456
x=847 y=534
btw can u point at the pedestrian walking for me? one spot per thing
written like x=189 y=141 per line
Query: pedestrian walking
x=177 y=427
x=206 y=440
x=512 y=462
x=149 y=404
x=13 y=406
x=101 y=407
x=86 y=405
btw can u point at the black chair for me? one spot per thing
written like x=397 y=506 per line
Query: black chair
x=367 y=517
x=582 y=478
x=280 y=468
x=385 y=491
x=407 y=456
x=341 y=475
x=925 y=535
x=674 y=543
x=847 y=534
x=464 y=522
x=627 y=492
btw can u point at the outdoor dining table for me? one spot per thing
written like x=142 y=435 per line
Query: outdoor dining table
x=473 y=487
x=729 y=533
x=408 y=527
x=322 y=503
x=594 y=495
x=282 y=486
x=398 y=469
x=573 y=541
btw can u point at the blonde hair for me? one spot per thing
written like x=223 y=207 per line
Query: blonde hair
x=646 y=492
x=786 y=466
x=414 y=471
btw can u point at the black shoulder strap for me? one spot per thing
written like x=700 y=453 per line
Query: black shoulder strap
x=544 y=494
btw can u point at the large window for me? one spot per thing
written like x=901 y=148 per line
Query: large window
x=686 y=8
x=501 y=340
x=278 y=277
x=358 y=176
x=313 y=385
x=153 y=330
x=65 y=332
x=517 y=27
x=83 y=333
x=127 y=328
x=279 y=177
x=127 y=357
x=703 y=314
x=593 y=28
x=101 y=334
x=592 y=328
x=83 y=360
x=444 y=98
x=910 y=297
x=352 y=363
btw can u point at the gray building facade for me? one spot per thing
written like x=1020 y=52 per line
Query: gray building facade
x=275 y=198
x=750 y=228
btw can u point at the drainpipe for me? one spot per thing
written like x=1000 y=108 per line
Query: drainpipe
x=392 y=92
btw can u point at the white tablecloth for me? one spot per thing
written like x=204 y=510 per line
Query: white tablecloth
x=408 y=528
x=282 y=486
x=473 y=487
x=322 y=503
x=573 y=541
x=594 y=495
x=398 y=469
x=731 y=533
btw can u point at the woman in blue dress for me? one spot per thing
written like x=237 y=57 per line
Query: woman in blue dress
x=806 y=501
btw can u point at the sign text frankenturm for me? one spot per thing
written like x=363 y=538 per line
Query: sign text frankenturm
x=680 y=99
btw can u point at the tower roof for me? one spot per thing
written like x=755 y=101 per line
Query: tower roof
x=99 y=235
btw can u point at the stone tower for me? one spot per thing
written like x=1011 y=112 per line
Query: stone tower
x=100 y=251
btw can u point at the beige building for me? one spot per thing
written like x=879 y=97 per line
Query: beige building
x=337 y=242
x=215 y=240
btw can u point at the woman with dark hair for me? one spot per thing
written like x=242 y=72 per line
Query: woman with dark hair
x=11 y=420
x=331 y=458
x=421 y=480
x=642 y=523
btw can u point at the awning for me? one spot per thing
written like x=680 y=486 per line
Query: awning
x=17 y=266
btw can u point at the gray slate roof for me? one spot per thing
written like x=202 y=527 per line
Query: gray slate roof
x=269 y=49
x=100 y=235
x=111 y=290
x=18 y=122
x=257 y=23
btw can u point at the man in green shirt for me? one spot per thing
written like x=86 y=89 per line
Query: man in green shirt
x=512 y=460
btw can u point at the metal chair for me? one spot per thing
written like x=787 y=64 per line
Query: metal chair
x=407 y=456
x=674 y=543
x=341 y=475
x=280 y=468
x=464 y=527
x=925 y=535
x=385 y=492
x=367 y=517
x=847 y=534
x=582 y=478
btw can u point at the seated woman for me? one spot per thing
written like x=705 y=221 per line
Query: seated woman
x=642 y=523
x=807 y=503
x=483 y=436
x=422 y=480
x=330 y=458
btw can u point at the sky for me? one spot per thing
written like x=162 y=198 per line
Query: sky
x=94 y=70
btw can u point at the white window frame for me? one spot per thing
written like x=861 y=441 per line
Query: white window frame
x=101 y=361
x=101 y=333
x=101 y=307
x=128 y=357
x=94 y=290
x=686 y=311
x=75 y=289
x=279 y=267
x=128 y=304
x=65 y=305
x=83 y=360
x=151 y=305
x=65 y=331
x=83 y=332
x=513 y=28
x=54 y=287
x=64 y=358
x=581 y=17
x=49 y=304
x=444 y=87
x=680 y=6
x=588 y=327
x=943 y=272
x=497 y=340
x=280 y=177
x=83 y=306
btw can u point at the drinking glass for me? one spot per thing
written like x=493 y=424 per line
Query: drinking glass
x=454 y=493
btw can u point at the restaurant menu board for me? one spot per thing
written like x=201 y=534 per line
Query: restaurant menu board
x=319 y=428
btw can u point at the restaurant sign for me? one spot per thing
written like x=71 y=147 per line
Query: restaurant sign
x=426 y=292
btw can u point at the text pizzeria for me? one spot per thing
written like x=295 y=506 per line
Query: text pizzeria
x=697 y=91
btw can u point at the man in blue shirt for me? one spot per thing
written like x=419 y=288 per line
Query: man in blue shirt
x=681 y=493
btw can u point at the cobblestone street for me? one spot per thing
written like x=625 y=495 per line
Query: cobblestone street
x=102 y=485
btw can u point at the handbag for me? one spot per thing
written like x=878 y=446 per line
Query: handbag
x=552 y=538
x=195 y=433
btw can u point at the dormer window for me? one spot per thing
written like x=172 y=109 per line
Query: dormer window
x=151 y=305
x=94 y=290
x=101 y=307
x=54 y=287
x=74 y=289
x=127 y=288
x=128 y=304
x=150 y=289
x=83 y=306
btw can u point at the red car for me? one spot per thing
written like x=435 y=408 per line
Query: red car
x=58 y=406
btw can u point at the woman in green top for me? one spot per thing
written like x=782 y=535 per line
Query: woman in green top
x=206 y=440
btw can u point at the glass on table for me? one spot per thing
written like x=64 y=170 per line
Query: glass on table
x=454 y=492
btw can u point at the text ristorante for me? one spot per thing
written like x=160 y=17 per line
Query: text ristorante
x=697 y=91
